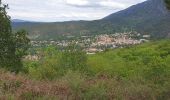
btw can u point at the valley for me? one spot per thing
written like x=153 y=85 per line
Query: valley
x=124 y=55
x=96 y=43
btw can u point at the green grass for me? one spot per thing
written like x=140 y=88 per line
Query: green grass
x=145 y=60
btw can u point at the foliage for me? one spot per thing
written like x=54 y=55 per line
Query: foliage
x=149 y=60
x=134 y=73
x=167 y=3
x=75 y=81
x=12 y=46
x=54 y=63
x=6 y=41
x=21 y=43
x=73 y=58
x=47 y=68
x=96 y=91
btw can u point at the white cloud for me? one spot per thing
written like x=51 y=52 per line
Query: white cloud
x=77 y=2
x=64 y=10
x=110 y=3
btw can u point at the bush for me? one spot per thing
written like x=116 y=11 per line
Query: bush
x=96 y=91
x=73 y=58
x=75 y=80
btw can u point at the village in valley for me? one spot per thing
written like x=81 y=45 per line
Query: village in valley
x=92 y=44
x=97 y=43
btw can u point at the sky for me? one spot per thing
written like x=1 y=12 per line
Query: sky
x=65 y=10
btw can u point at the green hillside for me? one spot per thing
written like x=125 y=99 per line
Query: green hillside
x=46 y=31
x=150 y=17
x=70 y=72
x=136 y=73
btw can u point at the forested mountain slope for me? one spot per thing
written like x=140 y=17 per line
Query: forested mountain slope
x=150 y=17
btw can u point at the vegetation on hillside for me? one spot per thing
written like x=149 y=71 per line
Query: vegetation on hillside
x=135 y=73
x=140 y=72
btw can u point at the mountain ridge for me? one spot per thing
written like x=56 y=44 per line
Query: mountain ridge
x=19 y=20
x=149 y=17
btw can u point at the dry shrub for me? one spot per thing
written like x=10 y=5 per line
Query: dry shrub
x=24 y=88
x=75 y=86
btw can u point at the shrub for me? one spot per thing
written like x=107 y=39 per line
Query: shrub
x=74 y=59
x=44 y=72
x=75 y=80
x=96 y=91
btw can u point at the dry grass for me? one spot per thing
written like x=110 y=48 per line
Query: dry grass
x=21 y=87
x=73 y=86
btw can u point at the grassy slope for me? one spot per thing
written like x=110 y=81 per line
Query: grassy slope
x=136 y=73
x=137 y=57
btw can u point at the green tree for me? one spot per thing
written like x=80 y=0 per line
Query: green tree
x=167 y=4
x=12 y=46
x=21 y=45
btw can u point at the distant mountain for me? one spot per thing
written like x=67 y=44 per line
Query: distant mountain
x=146 y=10
x=19 y=20
x=150 y=17
x=147 y=17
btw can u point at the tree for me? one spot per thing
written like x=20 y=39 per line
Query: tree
x=21 y=45
x=13 y=46
x=167 y=4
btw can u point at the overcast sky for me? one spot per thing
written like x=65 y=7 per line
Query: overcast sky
x=65 y=10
